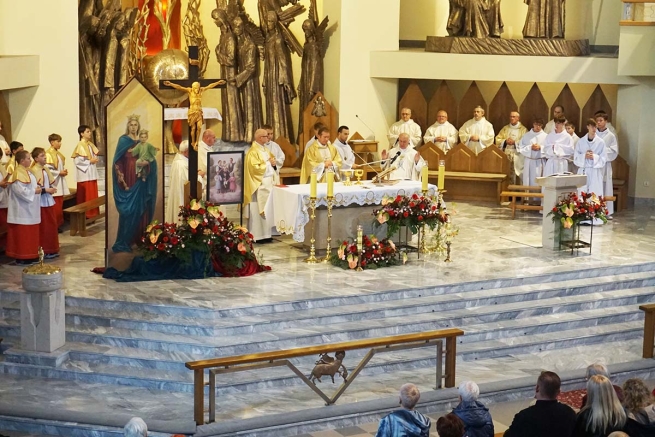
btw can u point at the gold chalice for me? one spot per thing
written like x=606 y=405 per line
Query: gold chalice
x=347 y=174
x=359 y=173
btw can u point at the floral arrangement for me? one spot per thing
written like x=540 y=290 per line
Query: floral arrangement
x=375 y=253
x=411 y=211
x=575 y=208
x=202 y=228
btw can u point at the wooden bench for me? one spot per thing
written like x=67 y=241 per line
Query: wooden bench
x=649 y=329
x=70 y=199
x=77 y=215
x=515 y=191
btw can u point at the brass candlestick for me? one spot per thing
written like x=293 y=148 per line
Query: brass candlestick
x=448 y=260
x=328 y=249
x=312 y=249
x=360 y=247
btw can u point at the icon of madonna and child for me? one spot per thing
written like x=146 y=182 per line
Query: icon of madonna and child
x=134 y=182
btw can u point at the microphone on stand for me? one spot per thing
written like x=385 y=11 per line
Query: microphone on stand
x=367 y=126
x=394 y=158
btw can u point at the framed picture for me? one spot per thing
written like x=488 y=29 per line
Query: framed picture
x=225 y=177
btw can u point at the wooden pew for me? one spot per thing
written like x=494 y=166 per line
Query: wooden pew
x=515 y=191
x=620 y=178
x=290 y=171
x=649 y=329
x=77 y=215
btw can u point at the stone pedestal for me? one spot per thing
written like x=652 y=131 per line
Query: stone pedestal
x=554 y=188
x=42 y=314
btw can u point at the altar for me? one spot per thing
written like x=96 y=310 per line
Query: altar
x=353 y=205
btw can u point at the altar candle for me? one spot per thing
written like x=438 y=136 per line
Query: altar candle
x=312 y=186
x=360 y=236
x=424 y=178
x=442 y=174
x=330 y=182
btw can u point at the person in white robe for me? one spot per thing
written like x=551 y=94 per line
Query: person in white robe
x=4 y=149
x=531 y=147
x=607 y=123
x=591 y=156
x=612 y=146
x=570 y=129
x=558 y=111
x=205 y=146
x=276 y=151
x=442 y=133
x=558 y=149
x=477 y=133
x=179 y=175
x=258 y=184
x=406 y=161
x=405 y=125
x=508 y=140
x=344 y=149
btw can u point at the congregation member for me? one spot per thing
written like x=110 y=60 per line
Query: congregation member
x=23 y=213
x=136 y=427
x=85 y=157
x=508 y=140
x=205 y=145
x=558 y=149
x=638 y=401
x=406 y=421
x=405 y=126
x=56 y=163
x=590 y=157
x=317 y=126
x=476 y=417
x=179 y=175
x=319 y=158
x=258 y=184
x=600 y=369
x=443 y=134
x=477 y=133
x=451 y=425
x=406 y=160
x=48 y=234
x=344 y=149
x=547 y=417
x=558 y=112
x=276 y=151
x=612 y=148
x=531 y=147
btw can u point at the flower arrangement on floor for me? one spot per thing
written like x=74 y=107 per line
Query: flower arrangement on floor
x=410 y=211
x=204 y=230
x=574 y=208
x=375 y=254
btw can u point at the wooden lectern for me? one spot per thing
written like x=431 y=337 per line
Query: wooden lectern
x=364 y=150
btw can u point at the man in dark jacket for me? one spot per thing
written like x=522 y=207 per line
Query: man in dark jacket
x=405 y=422
x=547 y=418
x=476 y=417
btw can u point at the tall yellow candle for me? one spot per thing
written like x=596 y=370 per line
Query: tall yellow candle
x=360 y=238
x=442 y=174
x=312 y=185
x=424 y=178
x=330 y=182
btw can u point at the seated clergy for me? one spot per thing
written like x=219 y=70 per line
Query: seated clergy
x=405 y=160
x=319 y=157
x=405 y=125
x=477 y=133
x=442 y=133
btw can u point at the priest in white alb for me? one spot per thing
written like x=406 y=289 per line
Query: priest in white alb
x=205 y=146
x=319 y=157
x=531 y=147
x=591 y=156
x=179 y=175
x=258 y=184
x=558 y=149
x=405 y=125
x=477 y=133
x=558 y=111
x=404 y=159
x=344 y=149
x=612 y=146
x=442 y=133
x=508 y=139
x=276 y=151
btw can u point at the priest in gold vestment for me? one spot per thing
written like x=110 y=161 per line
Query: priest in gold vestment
x=320 y=156
x=259 y=171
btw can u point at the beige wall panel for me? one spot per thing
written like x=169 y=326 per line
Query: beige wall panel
x=489 y=89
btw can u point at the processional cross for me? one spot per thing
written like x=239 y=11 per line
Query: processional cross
x=194 y=86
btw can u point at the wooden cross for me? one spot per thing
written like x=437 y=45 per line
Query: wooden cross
x=193 y=77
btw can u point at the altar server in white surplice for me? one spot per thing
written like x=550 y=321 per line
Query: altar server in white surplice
x=178 y=177
x=258 y=184
x=508 y=140
x=405 y=125
x=531 y=147
x=406 y=160
x=442 y=133
x=612 y=146
x=558 y=149
x=344 y=149
x=477 y=133
x=591 y=156
x=607 y=123
x=276 y=151
x=570 y=129
x=558 y=111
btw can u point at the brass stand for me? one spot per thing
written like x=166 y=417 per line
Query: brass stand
x=312 y=250
x=328 y=249
x=360 y=247
x=421 y=235
x=448 y=260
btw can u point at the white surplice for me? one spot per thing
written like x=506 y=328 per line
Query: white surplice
x=346 y=153
x=612 y=146
x=446 y=130
x=405 y=166
x=480 y=128
x=592 y=168
x=558 y=149
x=533 y=167
x=178 y=177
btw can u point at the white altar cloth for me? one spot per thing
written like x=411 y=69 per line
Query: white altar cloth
x=183 y=113
x=289 y=205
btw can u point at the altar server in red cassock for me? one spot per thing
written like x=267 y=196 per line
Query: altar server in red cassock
x=24 y=212
x=86 y=158
x=56 y=161
x=48 y=226
x=4 y=201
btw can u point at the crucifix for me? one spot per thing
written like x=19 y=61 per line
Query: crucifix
x=194 y=87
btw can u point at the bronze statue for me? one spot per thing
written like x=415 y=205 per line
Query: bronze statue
x=475 y=18
x=226 y=53
x=278 y=78
x=247 y=77
x=327 y=365
x=311 y=76
x=195 y=118
x=545 y=19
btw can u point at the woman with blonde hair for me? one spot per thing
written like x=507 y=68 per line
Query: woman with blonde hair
x=638 y=401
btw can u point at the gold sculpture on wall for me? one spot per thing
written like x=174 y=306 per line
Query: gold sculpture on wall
x=138 y=38
x=194 y=34
x=164 y=21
